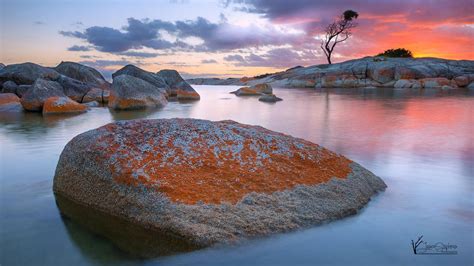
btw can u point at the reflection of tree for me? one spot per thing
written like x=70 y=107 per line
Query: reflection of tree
x=414 y=245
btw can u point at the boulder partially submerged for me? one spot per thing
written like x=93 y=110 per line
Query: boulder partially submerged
x=255 y=90
x=9 y=102
x=269 y=98
x=139 y=73
x=161 y=186
x=177 y=86
x=62 y=105
x=129 y=93
x=41 y=90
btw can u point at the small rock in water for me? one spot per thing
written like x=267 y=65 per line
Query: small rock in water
x=255 y=90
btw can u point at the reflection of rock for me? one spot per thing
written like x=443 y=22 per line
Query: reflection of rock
x=62 y=105
x=145 y=184
x=130 y=93
x=41 y=90
x=269 y=98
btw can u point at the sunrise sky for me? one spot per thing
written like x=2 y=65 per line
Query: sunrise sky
x=224 y=38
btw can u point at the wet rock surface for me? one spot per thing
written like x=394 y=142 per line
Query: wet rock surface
x=180 y=184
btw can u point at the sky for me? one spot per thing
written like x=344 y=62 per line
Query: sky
x=225 y=38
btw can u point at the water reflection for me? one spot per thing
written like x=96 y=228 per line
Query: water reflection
x=419 y=141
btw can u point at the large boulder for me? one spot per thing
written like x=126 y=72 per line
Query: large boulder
x=255 y=90
x=149 y=77
x=73 y=88
x=462 y=81
x=130 y=93
x=433 y=83
x=22 y=89
x=177 y=86
x=26 y=73
x=82 y=73
x=160 y=186
x=9 y=102
x=9 y=87
x=41 y=90
x=62 y=105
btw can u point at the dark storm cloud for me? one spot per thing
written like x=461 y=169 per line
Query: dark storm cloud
x=414 y=10
x=146 y=33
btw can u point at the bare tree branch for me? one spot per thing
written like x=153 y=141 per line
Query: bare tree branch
x=342 y=27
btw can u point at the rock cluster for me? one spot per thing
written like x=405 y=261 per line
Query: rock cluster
x=368 y=72
x=264 y=90
x=160 y=186
x=35 y=84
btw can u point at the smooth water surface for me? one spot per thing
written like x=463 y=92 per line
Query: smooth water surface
x=419 y=142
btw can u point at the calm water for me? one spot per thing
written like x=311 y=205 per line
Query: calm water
x=421 y=144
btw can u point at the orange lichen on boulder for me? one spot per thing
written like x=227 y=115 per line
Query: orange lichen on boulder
x=62 y=105
x=194 y=161
x=8 y=98
x=187 y=95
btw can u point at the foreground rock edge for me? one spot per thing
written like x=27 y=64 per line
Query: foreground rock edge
x=174 y=227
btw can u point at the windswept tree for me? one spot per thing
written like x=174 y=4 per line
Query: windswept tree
x=338 y=31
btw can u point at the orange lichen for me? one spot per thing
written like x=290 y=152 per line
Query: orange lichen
x=8 y=98
x=56 y=104
x=215 y=178
x=187 y=95
x=247 y=90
